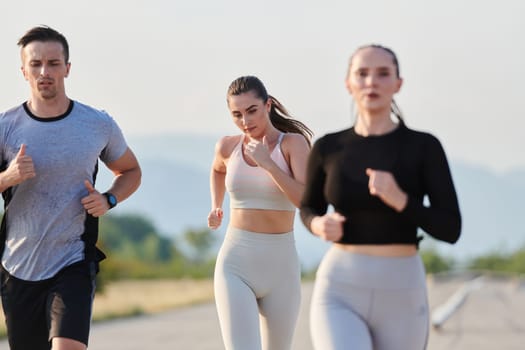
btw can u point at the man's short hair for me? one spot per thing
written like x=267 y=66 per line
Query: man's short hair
x=45 y=33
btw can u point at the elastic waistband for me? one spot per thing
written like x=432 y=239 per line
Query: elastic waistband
x=87 y=265
x=373 y=271
x=239 y=235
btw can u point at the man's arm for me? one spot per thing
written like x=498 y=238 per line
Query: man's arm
x=126 y=181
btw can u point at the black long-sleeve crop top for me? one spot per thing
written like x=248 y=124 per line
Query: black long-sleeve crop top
x=337 y=175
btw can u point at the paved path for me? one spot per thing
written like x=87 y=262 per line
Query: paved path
x=491 y=317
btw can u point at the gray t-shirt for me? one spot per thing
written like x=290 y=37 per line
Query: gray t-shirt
x=45 y=219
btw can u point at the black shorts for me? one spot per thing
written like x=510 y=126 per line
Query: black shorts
x=36 y=312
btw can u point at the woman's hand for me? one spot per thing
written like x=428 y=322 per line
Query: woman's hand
x=329 y=226
x=215 y=218
x=258 y=152
x=382 y=184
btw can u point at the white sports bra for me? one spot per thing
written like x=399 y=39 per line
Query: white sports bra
x=250 y=187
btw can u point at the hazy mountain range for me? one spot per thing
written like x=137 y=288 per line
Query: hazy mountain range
x=175 y=195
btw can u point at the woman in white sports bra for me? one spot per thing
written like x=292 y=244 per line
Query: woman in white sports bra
x=257 y=273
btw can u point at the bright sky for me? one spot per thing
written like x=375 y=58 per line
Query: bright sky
x=163 y=66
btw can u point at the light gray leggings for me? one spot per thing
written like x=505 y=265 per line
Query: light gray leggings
x=366 y=302
x=257 y=290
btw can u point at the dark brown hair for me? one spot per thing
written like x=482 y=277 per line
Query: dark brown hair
x=45 y=33
x=279 y=116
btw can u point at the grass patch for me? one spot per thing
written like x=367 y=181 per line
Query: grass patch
x=137 y=297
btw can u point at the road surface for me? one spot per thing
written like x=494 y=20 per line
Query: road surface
x=490 y=317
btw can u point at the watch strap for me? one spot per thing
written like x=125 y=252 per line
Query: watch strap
x=112 y=200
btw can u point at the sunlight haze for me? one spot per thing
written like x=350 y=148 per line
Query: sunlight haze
x=162 y=67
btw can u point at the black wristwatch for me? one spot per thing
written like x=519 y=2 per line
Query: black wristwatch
x=112 y=200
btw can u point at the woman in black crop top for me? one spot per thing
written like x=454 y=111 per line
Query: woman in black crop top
x=370 y=287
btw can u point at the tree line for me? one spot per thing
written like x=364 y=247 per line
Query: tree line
x=137 y=250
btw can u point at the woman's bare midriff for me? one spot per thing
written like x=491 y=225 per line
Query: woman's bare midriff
x=387 y=250
x=262 y=221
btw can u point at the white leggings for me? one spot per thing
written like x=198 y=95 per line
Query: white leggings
x=257 y=290
x=363 y=302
